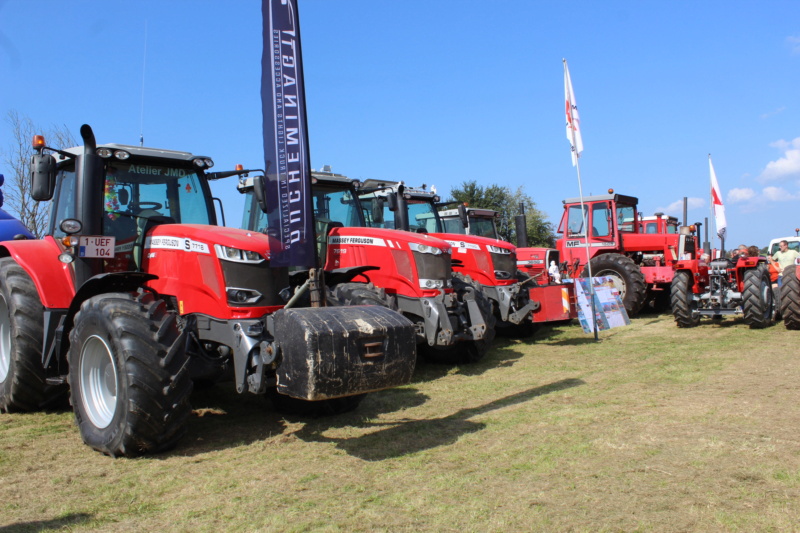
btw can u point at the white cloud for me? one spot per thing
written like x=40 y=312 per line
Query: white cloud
x=740 y=195
x=785 y=167
x=677 y=206
x=779 y=194
x=794 y=44
x=773 y=113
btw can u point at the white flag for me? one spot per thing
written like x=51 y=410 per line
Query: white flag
x=716 y=202
x=573 y=120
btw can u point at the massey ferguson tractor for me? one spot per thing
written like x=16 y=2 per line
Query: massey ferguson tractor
x=640 y=264
x=739 y=286
x=366 y=263
x=135 y=294
x=556 y=301
x=485 y=262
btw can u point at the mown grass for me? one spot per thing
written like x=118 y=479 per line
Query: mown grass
x=652 y=428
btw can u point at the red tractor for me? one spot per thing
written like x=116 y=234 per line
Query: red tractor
x=484 y=261
x=556 y=301
x=739 y=286
x=409 y=272
x=640 y=264
x=135 y=294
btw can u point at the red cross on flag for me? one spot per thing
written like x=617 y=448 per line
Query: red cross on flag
x=573 y=120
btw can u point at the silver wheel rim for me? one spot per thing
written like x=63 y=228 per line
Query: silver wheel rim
x=98 y=381
x=618 y=282
x=5 y=340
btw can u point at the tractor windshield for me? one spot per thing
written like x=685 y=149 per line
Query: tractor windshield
x=136 y=192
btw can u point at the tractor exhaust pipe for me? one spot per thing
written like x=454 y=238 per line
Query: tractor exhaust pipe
x=521 y=227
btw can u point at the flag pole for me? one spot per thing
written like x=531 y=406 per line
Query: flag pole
x=577 y=155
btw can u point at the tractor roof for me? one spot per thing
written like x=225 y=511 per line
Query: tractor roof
x=142 y=151
x=615 y=197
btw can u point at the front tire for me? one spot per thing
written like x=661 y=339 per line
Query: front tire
x=683 y=304
x=128 y=375
x=626 y=276
x=790 y=299
x=758 y=304
x=22 y=375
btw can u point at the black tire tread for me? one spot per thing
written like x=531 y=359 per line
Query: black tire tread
x=758 y=313
x=25 y=388
x=790 y=299
x=680 y=300
x=155 y=372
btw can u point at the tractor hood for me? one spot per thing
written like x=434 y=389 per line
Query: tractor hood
x=202 y=238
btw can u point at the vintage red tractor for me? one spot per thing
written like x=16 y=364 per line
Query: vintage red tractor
x=135 y=294
x=722 y=287
x=607 y=230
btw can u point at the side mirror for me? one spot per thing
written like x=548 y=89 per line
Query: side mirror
x=43 y=177
x=462 y=215
x=260 y=190
x=377 y=210
x=392 y=202
x=123 y=196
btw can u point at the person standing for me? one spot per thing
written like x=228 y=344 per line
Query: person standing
x=784 y=257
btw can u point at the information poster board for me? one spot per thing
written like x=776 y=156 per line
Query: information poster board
x=609 y=310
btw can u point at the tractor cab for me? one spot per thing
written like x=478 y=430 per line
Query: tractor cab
x=600 y=220
x=141 y=187
x=480 y=222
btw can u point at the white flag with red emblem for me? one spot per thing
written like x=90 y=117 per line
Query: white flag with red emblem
x=573 y=120
x=716 y=202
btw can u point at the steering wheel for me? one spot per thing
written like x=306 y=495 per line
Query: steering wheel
x=145 y=205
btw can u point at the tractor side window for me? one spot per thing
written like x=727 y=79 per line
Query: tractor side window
x=651 y=227
x=626 y=214
x=601 y=216
x=575 y=220
x=64 y=207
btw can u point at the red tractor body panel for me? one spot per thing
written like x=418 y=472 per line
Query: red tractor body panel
x=557 y=302
x=390 y=250
x=184 y=258
x=472 y=256
x=54 y=280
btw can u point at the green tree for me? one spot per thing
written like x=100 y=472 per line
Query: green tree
x=506 y=202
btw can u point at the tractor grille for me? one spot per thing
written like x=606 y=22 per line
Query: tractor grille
x=259 y=277
x=433 y=267
x=505 y=265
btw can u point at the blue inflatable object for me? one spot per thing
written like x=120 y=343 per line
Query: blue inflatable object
x=10 y=227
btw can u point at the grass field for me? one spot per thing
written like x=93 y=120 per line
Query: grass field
x=653 y=428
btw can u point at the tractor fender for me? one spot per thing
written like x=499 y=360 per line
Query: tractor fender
x=99 y=284
x=345 y=275
x=54 y=280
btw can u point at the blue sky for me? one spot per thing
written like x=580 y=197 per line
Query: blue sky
x=440 y=92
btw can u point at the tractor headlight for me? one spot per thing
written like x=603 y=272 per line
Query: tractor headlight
x=498 y=250
x=424 y=248
x=229 y=253
x=71 y=226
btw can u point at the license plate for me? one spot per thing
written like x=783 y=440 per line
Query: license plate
x=95 y=246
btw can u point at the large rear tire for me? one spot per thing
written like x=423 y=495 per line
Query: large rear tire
x=626 y=276
x=757 y=301
x=22 y=375
x=128 y=375
x=683 y=304
x=790 y=299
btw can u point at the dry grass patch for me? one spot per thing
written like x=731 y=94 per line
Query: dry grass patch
x=652 y=428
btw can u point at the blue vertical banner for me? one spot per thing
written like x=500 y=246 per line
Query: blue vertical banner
x=288 y=166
